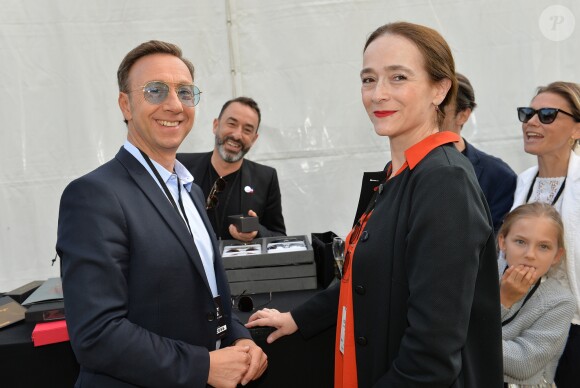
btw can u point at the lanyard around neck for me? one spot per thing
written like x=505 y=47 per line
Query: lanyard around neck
x=557 y=194
x=533 y=290
x=168 y=193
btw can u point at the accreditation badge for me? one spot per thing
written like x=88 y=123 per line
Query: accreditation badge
x=222 y=328
x=342 y=329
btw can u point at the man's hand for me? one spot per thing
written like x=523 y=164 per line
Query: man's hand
x=283 y=322
x=228 y=366
x=245 y=237
x=258 y=362
x=515 y=282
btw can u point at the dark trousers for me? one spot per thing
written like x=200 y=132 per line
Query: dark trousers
x=568 y=372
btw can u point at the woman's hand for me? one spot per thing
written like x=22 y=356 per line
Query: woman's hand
x=283 y=322
x=515 y=283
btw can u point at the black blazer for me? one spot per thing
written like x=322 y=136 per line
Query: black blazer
x=266 y=199
x=370 y=180
x=424 y=283
x=497 y=180
x=138 y=306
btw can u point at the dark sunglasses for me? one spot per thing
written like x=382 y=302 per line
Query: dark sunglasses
x=155 y=92
x=545 y=115
x=245 y=303
x=212 y=200
x=248 y=249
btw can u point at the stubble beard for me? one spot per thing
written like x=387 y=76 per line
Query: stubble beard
x=227 y=156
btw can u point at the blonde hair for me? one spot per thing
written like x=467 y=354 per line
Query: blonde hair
x=570 y=92
x=535 y=209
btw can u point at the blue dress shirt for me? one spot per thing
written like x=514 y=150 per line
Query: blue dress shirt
x=198 y=229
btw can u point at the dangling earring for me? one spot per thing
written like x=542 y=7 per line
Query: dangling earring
x=436 y=107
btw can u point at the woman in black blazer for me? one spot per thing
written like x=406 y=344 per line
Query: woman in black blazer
x=418 y=305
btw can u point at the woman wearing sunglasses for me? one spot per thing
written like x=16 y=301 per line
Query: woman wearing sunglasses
x=418 y=302
x=551 y=129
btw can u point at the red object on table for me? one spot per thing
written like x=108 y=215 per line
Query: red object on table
x=50 y=333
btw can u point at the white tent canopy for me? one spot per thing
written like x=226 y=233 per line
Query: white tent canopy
x=299 y=59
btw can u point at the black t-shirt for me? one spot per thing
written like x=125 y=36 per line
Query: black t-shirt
x=229 y=201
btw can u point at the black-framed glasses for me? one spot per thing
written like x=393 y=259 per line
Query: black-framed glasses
x=545 y=115
x=238 y=250
x=212 y=200
x=155 y=92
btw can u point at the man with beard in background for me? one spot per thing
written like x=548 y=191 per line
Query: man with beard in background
x=232 y=184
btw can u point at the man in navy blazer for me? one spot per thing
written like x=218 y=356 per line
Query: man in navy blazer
x=497 y=180
x=146 y=297
x=232 y=184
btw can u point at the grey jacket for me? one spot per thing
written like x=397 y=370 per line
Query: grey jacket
x=533 y=342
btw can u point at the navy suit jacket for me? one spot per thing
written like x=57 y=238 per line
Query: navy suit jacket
x=139 y=309
x=266 y=199
x=497 y=181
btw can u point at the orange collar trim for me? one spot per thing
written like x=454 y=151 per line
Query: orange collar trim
x=417 y=152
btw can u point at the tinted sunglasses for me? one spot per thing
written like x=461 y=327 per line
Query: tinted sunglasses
x=212 y=200
x=248 y=249
x=545 y=115
x=155 y=92
x=245 y=303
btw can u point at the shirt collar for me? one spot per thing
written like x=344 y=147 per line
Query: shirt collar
x=184 y=175
x=417 y=152
x=182 y=172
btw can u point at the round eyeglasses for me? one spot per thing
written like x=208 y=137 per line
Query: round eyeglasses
x=155 y=92
x=545 y=115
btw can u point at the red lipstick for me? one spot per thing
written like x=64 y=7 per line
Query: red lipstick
x=384 y=113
